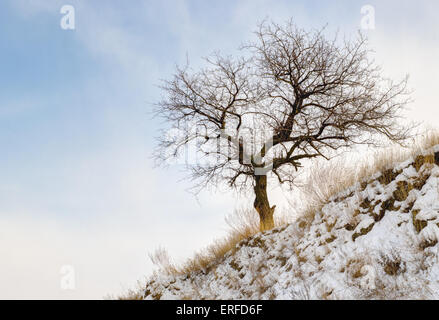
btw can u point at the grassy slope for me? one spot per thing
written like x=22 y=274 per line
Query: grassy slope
x=367 y=236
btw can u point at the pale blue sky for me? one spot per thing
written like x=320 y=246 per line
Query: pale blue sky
x=77 y=186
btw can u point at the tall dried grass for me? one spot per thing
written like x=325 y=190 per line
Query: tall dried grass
x=325 y=179
x=243 y=223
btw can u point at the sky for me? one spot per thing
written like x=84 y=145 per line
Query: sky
x=81 y=203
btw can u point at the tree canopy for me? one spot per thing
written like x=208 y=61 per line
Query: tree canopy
x=292 y=95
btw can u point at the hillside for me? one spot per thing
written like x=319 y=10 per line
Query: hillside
x=375 y=240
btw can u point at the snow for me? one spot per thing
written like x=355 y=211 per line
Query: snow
x=375 y=258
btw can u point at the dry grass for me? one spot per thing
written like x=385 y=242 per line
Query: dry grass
x=326 y=179
x=355 y=267
x=243 y=224
x=389 y=283
x=392 y=263
x=130 y=294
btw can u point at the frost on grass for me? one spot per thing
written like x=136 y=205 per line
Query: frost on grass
x=375 y=240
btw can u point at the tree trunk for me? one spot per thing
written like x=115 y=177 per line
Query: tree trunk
x=262 y=205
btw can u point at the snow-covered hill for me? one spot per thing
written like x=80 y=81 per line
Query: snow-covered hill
x=376 y=240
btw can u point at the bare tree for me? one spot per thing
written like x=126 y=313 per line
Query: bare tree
x=292 y=96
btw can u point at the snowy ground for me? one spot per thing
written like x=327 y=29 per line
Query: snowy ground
x=376 y=240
